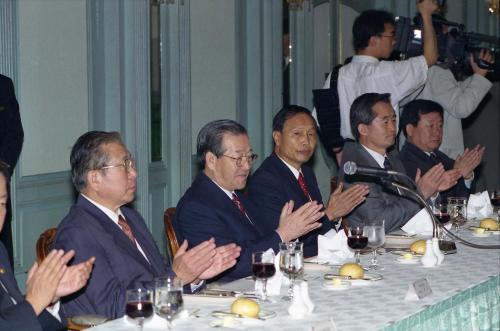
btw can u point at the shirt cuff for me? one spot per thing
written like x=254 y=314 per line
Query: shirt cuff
x=468 y=182
x=194 y=287
x=54 y=310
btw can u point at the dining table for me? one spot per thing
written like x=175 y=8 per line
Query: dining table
x=464 y=295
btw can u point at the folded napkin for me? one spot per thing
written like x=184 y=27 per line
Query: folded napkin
x=479 y=205
x=420 y=223
x=333 y=248
x=273 y=283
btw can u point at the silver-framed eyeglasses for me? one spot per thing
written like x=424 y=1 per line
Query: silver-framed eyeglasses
x=127 y=164
x=239 y=160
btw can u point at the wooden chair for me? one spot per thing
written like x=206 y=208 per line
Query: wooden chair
x=44 y=244
x=173 y=244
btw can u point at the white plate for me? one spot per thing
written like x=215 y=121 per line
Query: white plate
x=402 y=260
x=368 y=279
x=344 y=285
x=263 y=315
x=481 y=235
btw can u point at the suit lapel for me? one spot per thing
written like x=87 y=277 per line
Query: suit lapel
x=291 y=181
x=7 y=277
x=121 y=240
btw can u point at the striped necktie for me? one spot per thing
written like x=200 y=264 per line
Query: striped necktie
x=126 y=228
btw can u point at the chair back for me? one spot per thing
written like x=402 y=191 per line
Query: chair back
x=44 y=244
x=173 y=244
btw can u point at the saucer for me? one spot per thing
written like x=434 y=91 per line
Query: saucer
x=481 y=235
x=344 y=285
x=402 y=260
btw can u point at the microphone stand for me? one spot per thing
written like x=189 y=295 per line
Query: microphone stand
x=435 y=223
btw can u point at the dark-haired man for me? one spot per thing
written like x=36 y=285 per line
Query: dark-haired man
x=373 y=122
x=374 y=38
x=422 y=125
x=103 y=171
x=285 y=176
x=214 y=207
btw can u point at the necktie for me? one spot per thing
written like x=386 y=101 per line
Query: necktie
x=433 y=157
x=126 y=228
x=387 y=164
x=238 y=204
x=303 y=186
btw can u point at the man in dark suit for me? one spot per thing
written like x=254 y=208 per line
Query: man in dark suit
x=11 y=142
x=213 y=207
x=100 y=225
x=373 y=123
x=46 y=283
x=422 y=125
x=285 y=176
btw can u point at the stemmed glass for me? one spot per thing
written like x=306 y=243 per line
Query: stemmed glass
x=440 y=210
x=457 y=209
x=168 y=298
x=495 y=198
x=139 y=305
x=375 y=231
x=263 y=268
x=356 y=240
x=291 y=263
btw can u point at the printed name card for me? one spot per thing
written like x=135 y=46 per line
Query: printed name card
x=418 y=290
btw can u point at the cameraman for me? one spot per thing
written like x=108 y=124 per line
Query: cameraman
x=374 y=39
x=458 y=98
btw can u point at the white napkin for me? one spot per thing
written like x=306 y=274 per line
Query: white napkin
x=273 y=283
x=479 y=205
x=420 y=223
x=333 y=248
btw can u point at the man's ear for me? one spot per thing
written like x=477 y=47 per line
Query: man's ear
x=277 y=138
x=93 y=179
x=210 y=159
x=363 y=129
x=409 y=130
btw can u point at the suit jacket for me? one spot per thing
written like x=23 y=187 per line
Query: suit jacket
x=382 y=202
x=205 y=211
x=272 y=185
x=11 y=129
x=20 y=316
x=413 y=158
x=119 y=264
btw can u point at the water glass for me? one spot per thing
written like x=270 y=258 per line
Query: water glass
x=263 y=268
x=375 y=231
x=168 y=298
x=139 y=305
x=457 y=209
x=291 y=263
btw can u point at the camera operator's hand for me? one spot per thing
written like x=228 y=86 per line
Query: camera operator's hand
x=484 y=55
x=427 y=7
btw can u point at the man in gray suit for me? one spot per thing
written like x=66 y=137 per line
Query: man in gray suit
x=373 y=123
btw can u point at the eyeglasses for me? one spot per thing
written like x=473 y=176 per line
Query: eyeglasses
x=239 y=160
x=128 y=164
x=387 y=35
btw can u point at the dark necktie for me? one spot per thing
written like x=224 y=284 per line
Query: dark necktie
x=303 y=186
x=126 y=228
x=238 y=204
x=433 y=157
x=387 y=164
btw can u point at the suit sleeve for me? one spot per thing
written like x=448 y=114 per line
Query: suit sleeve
x=197 y=222
x=105 y=292
x=12 y=135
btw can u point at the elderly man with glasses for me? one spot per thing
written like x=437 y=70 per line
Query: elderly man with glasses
x=100 y=225
x=214 y=207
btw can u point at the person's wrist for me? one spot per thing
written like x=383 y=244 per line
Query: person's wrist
x=282 y=235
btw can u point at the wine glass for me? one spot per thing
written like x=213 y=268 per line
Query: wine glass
x=168 y=298
x=263 y=268
x=138 y=305
x=495 y=198
x=440 y=210
x=375 y=231
x=291 y=263
x=356 y=240
x=457 y=209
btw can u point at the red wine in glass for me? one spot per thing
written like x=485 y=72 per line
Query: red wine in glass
x=139 y=309
x=442 y=218
x=263 y=270
x=357 y=242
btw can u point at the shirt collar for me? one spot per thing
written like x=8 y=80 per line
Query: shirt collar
x=379 y=158
x=111 y=214
x=294 y=171
x=228 y=193
x=364 y=58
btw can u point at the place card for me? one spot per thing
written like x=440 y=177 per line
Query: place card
x=418 y=290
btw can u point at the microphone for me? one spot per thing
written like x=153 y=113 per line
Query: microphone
x=351 y=168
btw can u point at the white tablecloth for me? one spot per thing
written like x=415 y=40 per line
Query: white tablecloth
x=368 y=307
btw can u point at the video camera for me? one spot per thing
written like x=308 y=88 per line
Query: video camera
x=454 y=45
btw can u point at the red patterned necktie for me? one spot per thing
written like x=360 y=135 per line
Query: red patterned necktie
x=126 y=228
x=238 y=204
x=303 y=186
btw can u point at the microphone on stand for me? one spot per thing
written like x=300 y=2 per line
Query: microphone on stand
x=351 y=168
